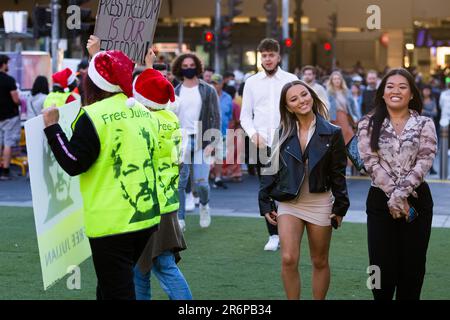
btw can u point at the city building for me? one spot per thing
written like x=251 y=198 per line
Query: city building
x=373 y=34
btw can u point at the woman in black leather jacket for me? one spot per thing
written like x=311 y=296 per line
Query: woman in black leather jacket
x=306 y=176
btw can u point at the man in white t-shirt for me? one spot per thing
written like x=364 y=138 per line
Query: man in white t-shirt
x=198 y=111
x=260 y=115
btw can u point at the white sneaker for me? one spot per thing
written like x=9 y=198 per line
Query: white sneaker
x=273 y=244
x=205 y=218
x=182 y=225
x=190 y=204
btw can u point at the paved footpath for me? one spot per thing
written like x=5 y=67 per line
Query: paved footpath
x=240 y=199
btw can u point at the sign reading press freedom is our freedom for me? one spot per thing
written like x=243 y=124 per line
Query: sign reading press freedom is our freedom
x=128 y=26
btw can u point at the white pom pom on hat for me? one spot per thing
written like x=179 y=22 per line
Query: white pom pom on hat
x=131 y=102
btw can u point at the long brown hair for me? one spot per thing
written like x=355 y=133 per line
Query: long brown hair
x=381 y=112
x=92 y=93
x=288 y=122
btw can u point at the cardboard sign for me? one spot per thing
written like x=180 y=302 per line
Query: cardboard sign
x=57 y=202
x=128 y=26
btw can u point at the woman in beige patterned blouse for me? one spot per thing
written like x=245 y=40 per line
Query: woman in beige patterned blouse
x=398 y=147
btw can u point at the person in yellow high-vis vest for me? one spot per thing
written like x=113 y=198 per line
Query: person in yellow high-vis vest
x=64 y=82
x=114 y=149
x=161 y=254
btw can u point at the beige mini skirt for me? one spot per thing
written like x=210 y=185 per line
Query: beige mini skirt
x=314 y=208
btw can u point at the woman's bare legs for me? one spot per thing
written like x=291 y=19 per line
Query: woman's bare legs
x=290 y=230
x=319 y=245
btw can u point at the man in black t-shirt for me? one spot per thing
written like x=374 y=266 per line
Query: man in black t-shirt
x=9 y=116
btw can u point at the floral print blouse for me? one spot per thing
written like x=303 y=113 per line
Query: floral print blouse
x=402 y=162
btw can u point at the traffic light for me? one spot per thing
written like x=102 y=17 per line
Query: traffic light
x=225 y=32
x=42 y=22
x=208 y=40
x=79 y=19
x=332 y=22
x=328 y=47
x=288 y=43
x=234 y=9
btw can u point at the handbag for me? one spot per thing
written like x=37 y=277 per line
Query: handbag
x=353 y=154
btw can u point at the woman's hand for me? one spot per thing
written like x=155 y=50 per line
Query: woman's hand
x=396 y=213
x=338 y=219
x=51 y=116
x=400 y=209
x=93 y=45
x=150 y=58
x=406 y=208
x=272 y=218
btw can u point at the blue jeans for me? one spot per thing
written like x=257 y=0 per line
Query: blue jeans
x=170 y=279
x=201 y=170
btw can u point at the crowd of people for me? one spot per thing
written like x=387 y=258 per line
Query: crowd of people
x=179 y=129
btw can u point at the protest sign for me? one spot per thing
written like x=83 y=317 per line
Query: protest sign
x=128 y=26
x=57 y=202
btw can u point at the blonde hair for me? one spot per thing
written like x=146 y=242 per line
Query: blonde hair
x=330 y=86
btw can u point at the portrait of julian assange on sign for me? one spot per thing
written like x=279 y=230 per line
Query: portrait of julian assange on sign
x=128 y=26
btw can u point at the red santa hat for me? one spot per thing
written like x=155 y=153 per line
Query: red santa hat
x=63 y=78
x=153 y=90
x=112 y=71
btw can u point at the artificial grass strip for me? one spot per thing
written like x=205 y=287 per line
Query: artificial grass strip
x=224 y=262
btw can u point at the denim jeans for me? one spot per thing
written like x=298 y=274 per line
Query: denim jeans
x=170 y=279
x=201 y=168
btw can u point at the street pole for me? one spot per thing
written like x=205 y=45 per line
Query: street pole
x=443 y=172
x=285 y=26
x=55 y=34
x=216 y=37
x=298 y=33
x=180 y=35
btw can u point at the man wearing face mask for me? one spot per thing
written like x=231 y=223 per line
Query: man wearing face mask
x=229 y=81
x=198 y=111
x=260 y=115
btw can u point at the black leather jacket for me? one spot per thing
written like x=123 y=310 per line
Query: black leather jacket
x=327 y=163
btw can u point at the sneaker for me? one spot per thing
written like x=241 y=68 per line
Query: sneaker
x=182 y=225
x=219 y=184
x=190 y=204
x=273 y=244
x=205 y=218
x=5 y=177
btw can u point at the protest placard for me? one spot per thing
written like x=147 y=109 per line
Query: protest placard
x=57 y=202
x=128 y=26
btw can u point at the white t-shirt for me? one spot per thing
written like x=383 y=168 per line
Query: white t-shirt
x=190 y=106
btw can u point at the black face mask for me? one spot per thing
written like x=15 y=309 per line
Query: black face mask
x=270 y=72
x=189 y=73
